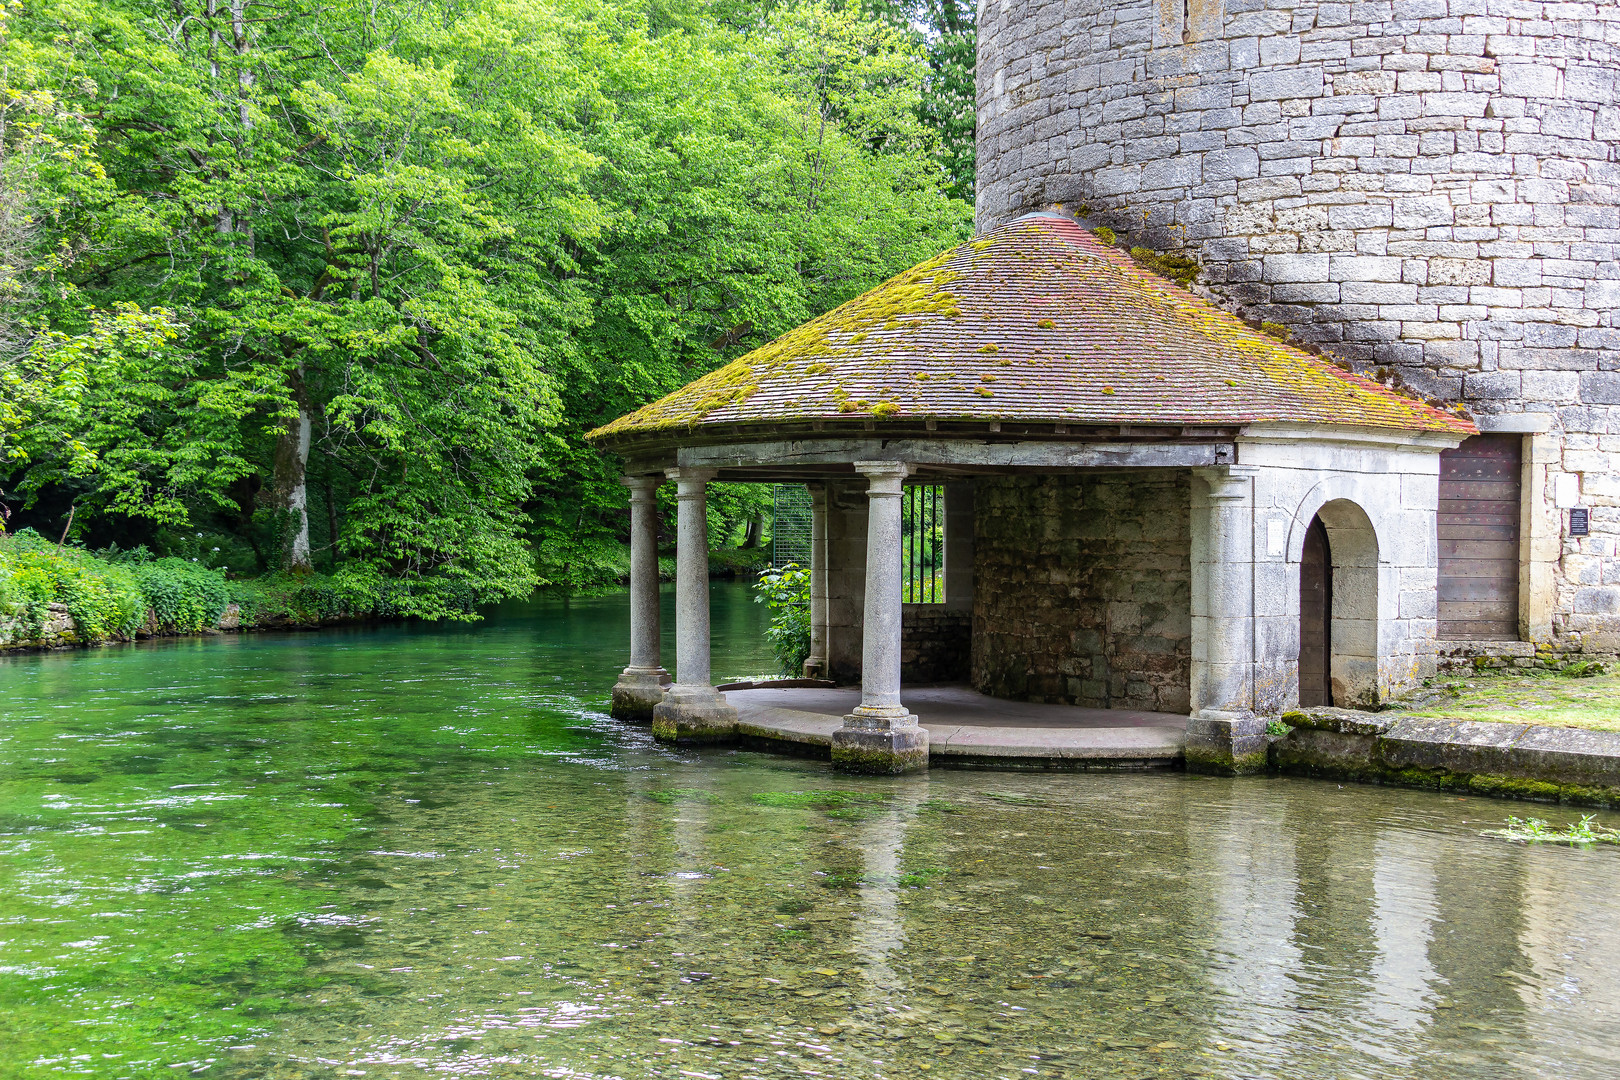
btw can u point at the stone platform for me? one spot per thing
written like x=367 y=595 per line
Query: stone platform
x=970 y=729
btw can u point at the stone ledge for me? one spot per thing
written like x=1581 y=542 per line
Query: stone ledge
x=1527 y=761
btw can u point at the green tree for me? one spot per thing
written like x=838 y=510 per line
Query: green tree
x=947 y=29
x=390 y=262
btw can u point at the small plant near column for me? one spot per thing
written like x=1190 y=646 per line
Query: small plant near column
x=786 y=591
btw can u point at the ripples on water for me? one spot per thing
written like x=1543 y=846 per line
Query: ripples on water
x=425 y=852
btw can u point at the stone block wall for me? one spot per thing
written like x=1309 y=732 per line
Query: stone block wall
x=1379 y=500
x=935 y=644
x=846 y=578
x=1429 y=187
x=1082 y=589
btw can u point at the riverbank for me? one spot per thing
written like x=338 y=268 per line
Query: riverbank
x=60 y=597
x=54 y=597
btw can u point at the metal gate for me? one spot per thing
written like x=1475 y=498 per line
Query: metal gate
x=790 y=525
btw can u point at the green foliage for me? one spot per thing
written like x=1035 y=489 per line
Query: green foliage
x=354 y=591
x=919 y=877
x=185 y=597
x=786 y=591
x=1277 y=728
x=113 y=597
x=1583 y=669
x=104 y=599
x=1536 y=831
x=392 y=262
x=950 y=41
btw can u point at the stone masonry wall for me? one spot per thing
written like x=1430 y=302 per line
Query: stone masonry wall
x=1082 y=590
x=1430 y=187
x=935 y=644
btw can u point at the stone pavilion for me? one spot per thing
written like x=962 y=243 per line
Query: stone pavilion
x=1149 y=504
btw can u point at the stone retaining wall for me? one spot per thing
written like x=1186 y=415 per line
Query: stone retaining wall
x=57 y=630
x=1525 y=761
x=1082 y=589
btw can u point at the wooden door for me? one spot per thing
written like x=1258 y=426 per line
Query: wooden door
x=1479 y=539
x=1315 y=608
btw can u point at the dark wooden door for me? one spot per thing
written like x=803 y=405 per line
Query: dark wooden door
x=1479 y=539
x=1315 y=606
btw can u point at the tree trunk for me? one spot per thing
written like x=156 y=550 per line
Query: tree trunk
x=756 y=531
x=290 y=486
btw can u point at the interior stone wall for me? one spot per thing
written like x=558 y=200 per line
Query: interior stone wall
x=846 y=578
x=1083 y=589
x=935 y=644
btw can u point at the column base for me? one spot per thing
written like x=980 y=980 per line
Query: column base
x=900 y=746
x=637 y=693
x=1226 y=743
x=694 y=715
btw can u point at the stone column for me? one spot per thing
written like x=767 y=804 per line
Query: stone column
x=1223 y=733
x=815 y=665
x=881 y=735
x=641 y=685
x=692 y=711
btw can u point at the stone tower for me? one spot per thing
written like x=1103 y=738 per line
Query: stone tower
x=1428 y=189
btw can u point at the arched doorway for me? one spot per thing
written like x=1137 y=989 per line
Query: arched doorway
x=1338 y=609
x=1315 y=602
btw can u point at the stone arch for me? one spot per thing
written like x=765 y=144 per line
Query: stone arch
x=1347 y=489
x=1353 y=621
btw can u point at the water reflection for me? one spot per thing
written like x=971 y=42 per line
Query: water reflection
x=403 y=852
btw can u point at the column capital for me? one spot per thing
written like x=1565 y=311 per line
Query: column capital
x=684 y=476
x=642 y=484
x=1228 y=482
x=883 y=478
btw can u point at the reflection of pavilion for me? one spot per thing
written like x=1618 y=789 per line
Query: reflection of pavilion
x=1136 y=484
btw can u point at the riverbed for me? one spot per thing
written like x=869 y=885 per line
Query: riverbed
x=418 y=851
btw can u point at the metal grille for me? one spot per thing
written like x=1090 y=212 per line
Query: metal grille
x=790 y=525
x=922 y=534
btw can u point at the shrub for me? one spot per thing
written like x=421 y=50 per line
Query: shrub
x=185 y=597
x=103 y=598
x=786 y=591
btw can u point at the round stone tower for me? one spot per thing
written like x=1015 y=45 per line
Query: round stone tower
x=1430 y=187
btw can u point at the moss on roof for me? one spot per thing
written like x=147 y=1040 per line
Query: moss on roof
x=1067 y=329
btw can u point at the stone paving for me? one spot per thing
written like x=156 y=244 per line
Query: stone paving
x=967 y=728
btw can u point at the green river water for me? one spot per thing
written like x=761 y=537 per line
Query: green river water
x=427 y=852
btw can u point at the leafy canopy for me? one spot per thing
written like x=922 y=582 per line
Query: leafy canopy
x=383 y=265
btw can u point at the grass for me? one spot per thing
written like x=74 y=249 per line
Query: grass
x=1546 y=698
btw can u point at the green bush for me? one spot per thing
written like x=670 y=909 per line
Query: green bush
x=110 y=595
x=786 y=591
x=104 y=599
x=185 y=597
x=353 y=591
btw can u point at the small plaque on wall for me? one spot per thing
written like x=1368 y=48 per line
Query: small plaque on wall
x=1579 y=521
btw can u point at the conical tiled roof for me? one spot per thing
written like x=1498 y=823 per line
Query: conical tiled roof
x=1036 y=321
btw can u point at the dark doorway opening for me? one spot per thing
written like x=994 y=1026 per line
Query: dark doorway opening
x=1315 y=607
